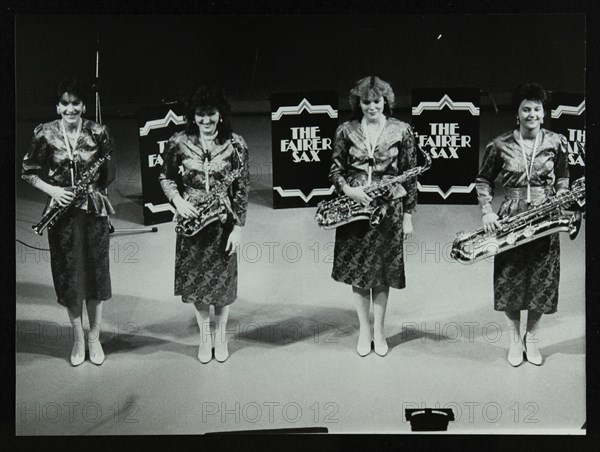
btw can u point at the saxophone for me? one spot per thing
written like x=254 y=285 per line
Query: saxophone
x=343 y=209
x=211 y=207
x=544 y=218
x=55 y=212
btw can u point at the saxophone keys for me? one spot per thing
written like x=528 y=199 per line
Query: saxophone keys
x=511 y=238
x=528 y=232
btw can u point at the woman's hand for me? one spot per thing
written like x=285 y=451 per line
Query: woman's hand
x=407 y=226
x=233 y=241
x=61 y=195
x=185 y=208
x=357 y=194
x=490 y=222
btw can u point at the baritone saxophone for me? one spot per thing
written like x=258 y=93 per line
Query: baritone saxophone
x=542 y=219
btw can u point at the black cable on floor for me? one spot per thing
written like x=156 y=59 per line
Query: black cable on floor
x=33 y=247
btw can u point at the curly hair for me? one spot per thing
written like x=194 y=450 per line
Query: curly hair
x=206 y=98
x=371 y=87
x=529 y=91
x=73 y=87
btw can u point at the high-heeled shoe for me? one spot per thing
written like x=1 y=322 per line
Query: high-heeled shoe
x=96 y=352
x=205 y=353
x=515 y=354
x=363 y=348
x=78 y=354
x=381 y=347
x=532 y=353
x=222 y=352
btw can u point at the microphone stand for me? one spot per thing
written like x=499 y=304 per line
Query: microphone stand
x=99 y=121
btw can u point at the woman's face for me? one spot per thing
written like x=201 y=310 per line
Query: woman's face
x=531 y=114
x=207 y=120
x=372 y=108
x=70 y=108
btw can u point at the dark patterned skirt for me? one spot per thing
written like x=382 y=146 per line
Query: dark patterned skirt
x=527 y=277
x=79 y=257
x=204 y=273
x=369 y=257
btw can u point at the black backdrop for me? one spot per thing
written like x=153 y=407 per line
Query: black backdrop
x=148 y=58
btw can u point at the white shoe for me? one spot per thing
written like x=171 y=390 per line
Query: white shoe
x=515 y=354
x=532 y=353
x=78 y=354
x=381 y=347
x=96 y=352
x=363 y=348
x=222 y=352
x=205 y=351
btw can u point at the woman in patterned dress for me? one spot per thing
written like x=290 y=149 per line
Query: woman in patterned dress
x=532 y=162
x=60 y=152
x=205 y=263
x=369 y=147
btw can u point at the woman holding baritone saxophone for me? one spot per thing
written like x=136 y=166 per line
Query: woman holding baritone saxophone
x=70 y=153
x=370 y=147
x=532 y=162
x=212 y=164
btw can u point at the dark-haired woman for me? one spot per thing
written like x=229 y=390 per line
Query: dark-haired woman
x=532 y=162
x=61 y=151
x=368 y=148
x=205 y=263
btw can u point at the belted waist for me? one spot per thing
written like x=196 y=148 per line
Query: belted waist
x=537 y=193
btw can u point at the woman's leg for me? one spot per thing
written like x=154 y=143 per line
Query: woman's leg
x=515 y=352
x=532 y=337
x=94 y=311
x=362 y=302
x=78 y=352
x=221 y=348
x=203 y=318
x=380 y=299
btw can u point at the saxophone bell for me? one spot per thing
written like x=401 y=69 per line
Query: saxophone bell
x=41 y=226
x=377 y=215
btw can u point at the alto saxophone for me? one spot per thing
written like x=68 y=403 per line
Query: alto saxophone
x=54 y=213
x=210 y=206
x=542 y=219
x=343 y=209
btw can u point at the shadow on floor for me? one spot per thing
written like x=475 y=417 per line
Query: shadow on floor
x=42 y=338
x=574 y=346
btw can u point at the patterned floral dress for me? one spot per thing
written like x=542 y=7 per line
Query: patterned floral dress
x=204 y=273
x=525 y=277
x=79 y=240
x=366 y=256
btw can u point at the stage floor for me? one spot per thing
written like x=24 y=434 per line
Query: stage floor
x=293 y=333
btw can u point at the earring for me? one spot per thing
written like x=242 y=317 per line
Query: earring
x=518 y=122
x=542 y=121
x=57 y=111
x=83 y=109
x=221 y=120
